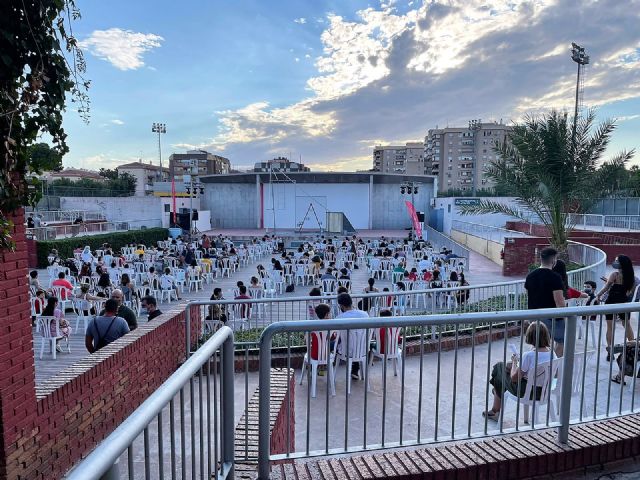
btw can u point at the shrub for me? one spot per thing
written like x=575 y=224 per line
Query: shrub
x=65 y=246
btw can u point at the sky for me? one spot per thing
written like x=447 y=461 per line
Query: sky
x=325 y=81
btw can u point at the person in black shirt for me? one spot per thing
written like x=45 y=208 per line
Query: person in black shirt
x=150 y=304
x=545 y=290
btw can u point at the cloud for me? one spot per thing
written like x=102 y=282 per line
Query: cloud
x=117 y=121
x=389 y=75
x=301 y=20
x=124 y=49
x=626 y=118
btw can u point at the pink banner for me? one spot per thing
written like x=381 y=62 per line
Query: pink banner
x=414 y=218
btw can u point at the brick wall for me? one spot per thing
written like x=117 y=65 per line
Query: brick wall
x=45 y=430
x=519 y=253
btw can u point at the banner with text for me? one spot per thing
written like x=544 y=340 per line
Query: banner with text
x=414 y=218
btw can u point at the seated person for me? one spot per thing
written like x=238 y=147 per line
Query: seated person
x=67 y=289
x=507 y=377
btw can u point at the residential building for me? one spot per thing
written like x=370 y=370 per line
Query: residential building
x=146 y=176
x=407 y=159
x=280 y=164
x=459 y=156
x=197 y=162
x=74 y=174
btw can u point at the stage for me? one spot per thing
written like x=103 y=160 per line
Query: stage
x=304 y=234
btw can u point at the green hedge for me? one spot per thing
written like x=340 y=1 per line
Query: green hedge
x=65 y=246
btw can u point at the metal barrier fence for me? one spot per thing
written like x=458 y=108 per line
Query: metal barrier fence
x=443 y=240
x=50 y=216
x=203 y=450
x=439 y=394
x=602 y=222
x=488 y=232
x=65 y=231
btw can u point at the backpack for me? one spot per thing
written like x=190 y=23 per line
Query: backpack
x=102 y=342
x=290 y=288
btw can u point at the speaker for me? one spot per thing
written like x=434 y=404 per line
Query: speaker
x=183 y=221
x=420 y=216
x=195 y=215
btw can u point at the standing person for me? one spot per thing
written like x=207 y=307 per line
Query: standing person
x=30 y=222
x=105 y=328
x=150 y=305
x=345 y=304
x=620 y=286
x=546 y=290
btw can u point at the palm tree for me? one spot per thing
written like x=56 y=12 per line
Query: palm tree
x=551 y=177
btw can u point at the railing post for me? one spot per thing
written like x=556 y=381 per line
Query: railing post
x=264 y=387
x=187 y=330
x=228 y=422
x=567 y=378
x=113 y=473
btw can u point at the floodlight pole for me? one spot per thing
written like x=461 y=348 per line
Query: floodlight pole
x=159 y=128
x=579 y=56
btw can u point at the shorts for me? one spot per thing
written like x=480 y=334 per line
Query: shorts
x=557 y=332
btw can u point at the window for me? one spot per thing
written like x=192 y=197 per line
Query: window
x=167 y=208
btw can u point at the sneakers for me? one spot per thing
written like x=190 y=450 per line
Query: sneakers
x=355 y=376
x=58 y=348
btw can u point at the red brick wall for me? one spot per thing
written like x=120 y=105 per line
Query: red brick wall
x=519 y=253
x=279 y=429
x=45 y=431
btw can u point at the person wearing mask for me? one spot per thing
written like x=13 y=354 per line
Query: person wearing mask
x=105 y=328
x=123 y=311
x=150 y=305
x=546 y=290
x=347 y=310
x=620 y=287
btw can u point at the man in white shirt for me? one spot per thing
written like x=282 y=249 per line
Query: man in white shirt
x=345 y=304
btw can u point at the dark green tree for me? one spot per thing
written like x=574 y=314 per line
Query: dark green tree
x=41 y=67
x=549 y=175
x=43 y=158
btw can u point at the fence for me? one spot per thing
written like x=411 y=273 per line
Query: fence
x=69 y=231
x=441 y=398
x=488 y=232
x=54 y=216
x=604 y=222
x=206 y=449
x=443 y=240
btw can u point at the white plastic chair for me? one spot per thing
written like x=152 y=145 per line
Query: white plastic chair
x=37 y=306
x=79 y=306
x=225 y=267
x=256 y=293
x=388 y=347
x=166 y=290
x=241 y=314
x=328 y=286
x=358 y=352
x=544 y=373
x=345 y=283
x=576 y=383
x=278 y=281
x=44 y=326
x=59 y=292
x=195 y=280
x=322 y=342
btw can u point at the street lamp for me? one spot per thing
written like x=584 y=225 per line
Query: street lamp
x=159 y=128
x=193 y=188
x=411 y=188
x=578 y=55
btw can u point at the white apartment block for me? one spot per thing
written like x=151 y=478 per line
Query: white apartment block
x=407 y=159
x=458 y=156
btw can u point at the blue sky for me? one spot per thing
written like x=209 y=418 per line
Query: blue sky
x=327 y=80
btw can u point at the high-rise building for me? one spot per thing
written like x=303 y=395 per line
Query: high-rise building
x=197 y=162
x=280 y=164
x=407 y=159
x=458 y=156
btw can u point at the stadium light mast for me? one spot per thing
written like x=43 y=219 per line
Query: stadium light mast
x=159 y=128
x=578 y=55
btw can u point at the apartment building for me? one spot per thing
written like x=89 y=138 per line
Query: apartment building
x=280 y=164
x=197 y=162
x=407 y=159
x=458 y=156
x=146 y=176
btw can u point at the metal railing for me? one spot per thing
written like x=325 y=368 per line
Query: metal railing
x=488 y=232
x=439 y=394
x=603 y=222
x=203 y=450
x=443 y=240
x=54 y=216
x=69 y=231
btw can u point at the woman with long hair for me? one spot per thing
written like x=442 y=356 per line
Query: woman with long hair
x=620 y=287
x=52 y=310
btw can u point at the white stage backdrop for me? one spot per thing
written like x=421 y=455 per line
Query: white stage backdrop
x=292 y=202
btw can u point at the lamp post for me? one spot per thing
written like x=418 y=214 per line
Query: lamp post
x=474 y=126
x=193 y=189
x=159 y=128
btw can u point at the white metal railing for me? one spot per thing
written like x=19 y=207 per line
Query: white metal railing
x=434 y=401
x=204 y=451
x=603 y=223
x=442 y=240
x=55 y=216
x=488 y=232
x=52 y=232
